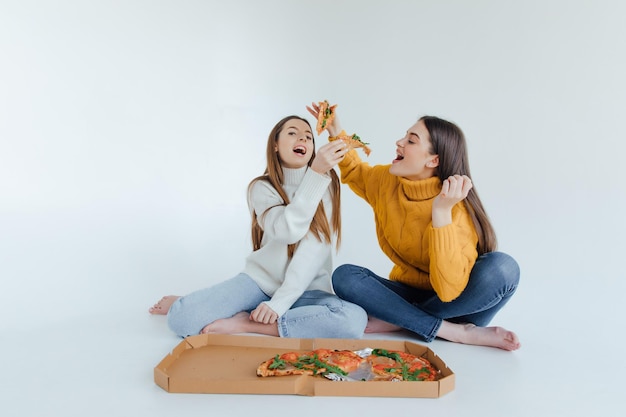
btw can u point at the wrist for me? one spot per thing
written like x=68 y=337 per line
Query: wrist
x=318 y=169
x=441 y=217
x=334 y=129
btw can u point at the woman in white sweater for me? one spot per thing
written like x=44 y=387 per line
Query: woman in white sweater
x=284 y=289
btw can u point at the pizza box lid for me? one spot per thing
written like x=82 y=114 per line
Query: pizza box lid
x=226 y=364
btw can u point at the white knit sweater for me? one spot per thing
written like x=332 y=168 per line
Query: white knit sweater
x=310 y=268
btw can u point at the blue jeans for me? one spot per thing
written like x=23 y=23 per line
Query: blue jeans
x=315 y=314
x=492 y=282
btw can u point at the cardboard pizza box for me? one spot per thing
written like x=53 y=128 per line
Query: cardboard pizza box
x=226 y=364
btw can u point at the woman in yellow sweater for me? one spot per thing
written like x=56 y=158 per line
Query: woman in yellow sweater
x=447 y=280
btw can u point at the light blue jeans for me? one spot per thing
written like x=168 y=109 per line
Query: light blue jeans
x=315 y=314
x=492 y=282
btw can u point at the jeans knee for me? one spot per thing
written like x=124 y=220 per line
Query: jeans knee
x=353 y=321
x=505 y=268
x=510 y=268
x=177 y=322
x=345 y=270
x=342 y=276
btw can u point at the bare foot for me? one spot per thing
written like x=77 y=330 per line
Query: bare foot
x=375 y=325
x=163 y=305
x=482 y=336
x=240 y=323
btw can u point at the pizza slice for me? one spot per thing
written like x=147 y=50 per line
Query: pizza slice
x=392 y=365
x=345 y=360
x=283 y=365
x=316 y=362
x=325 y=115
x=353 y=141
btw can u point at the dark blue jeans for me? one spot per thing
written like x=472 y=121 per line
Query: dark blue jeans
x=492 y=282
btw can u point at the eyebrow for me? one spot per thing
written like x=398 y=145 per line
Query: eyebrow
x=294 y=127
x=414 y=134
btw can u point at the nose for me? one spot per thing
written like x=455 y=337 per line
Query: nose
x=399 y=142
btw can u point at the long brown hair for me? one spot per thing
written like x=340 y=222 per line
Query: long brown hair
x=448 y=141
x=274 y=175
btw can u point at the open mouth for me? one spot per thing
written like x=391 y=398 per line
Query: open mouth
x=399 y=158
x=300 y=150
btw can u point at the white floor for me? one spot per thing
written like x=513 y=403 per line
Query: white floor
x=101 y=365
x=129 y=130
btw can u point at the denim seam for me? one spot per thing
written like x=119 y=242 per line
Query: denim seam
x=433 y=333
x=497 y=300
x=283 y=322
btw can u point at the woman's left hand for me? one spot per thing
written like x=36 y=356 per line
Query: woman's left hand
x=263 y=314
x=454 y=189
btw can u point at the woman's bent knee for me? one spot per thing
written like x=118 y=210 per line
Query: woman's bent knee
x=178 y=322
x=348 y=320
x=501 y=267
x=352 y=321
x=342 y=277
x=508 y=267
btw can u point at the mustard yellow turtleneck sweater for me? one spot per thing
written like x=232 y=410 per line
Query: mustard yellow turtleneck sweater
x=425 y=257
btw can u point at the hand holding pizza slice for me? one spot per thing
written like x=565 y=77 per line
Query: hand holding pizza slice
x=353 y=141
x=325 y=115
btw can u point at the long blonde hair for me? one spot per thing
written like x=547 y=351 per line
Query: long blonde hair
x=274 y=175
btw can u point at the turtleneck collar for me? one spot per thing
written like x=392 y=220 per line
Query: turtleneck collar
x=418 y=190
x=294 y=176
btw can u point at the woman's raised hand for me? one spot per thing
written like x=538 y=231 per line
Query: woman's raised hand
x=454 y=189
x=329 y=155
x=334 y=127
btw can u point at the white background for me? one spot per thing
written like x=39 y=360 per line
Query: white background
x=129 y=131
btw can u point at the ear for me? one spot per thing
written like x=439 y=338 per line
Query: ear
x=434 y=162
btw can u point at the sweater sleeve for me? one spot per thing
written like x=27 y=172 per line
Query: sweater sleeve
x=453 y=254
x=307 y=262
x=355 y=173
x=288 y=223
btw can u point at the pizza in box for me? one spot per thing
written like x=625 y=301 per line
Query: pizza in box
x=364 y=365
